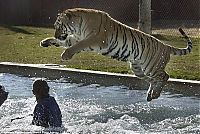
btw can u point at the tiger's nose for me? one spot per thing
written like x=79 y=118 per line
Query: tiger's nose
x=62 y=37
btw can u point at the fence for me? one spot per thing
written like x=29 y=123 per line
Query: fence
x=43 y=12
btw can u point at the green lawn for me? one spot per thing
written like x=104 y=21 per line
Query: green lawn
x=21 y=44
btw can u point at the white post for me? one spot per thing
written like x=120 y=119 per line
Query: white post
x=145 y=16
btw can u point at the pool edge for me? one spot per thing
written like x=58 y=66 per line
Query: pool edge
x=53 y=71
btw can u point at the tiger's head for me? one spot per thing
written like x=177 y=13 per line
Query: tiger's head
x=74 y=25
x=67 y=24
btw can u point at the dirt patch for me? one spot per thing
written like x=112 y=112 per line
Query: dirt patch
x=194 y=32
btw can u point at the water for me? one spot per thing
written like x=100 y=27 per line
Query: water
x=98 y=109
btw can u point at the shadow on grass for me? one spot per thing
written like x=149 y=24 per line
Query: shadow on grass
x=17 y=29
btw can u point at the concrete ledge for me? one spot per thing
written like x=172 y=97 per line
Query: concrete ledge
x=52 y=71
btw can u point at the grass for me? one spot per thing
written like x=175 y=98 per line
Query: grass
x=21 y=44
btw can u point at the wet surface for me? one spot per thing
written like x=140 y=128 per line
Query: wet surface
x=99 y=109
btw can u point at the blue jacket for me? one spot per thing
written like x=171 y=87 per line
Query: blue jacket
x=47 y=113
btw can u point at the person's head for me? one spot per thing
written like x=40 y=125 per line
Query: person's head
x=3 y=94
x=2 y=89
x=40 y=88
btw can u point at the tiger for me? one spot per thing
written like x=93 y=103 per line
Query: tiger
x=81 y=29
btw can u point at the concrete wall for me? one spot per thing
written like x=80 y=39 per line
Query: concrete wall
x=185 y=87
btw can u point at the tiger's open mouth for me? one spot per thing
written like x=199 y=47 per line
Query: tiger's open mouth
x=62 y=37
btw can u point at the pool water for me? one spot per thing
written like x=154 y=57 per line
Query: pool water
x=98 y=109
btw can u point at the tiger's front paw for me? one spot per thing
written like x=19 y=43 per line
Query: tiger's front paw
x=48 y=42
x=67 y=54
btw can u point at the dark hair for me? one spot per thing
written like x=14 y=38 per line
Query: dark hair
x=41 y=84
x=2 y=88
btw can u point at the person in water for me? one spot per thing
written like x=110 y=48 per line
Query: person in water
x=3 y=94
x=47 y=112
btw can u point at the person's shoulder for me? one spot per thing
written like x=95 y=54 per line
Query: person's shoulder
x=51 y=98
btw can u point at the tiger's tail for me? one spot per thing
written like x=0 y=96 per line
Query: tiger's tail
x=182 y=51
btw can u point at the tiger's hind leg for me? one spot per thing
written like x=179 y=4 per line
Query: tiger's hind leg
x=136 y=68
x=156 y=85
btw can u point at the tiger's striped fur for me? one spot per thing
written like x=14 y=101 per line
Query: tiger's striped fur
x=92 y=30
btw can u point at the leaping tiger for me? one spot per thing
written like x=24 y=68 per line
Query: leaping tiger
x=93 y=30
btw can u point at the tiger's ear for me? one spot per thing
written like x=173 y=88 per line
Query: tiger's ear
x=64 y=18
x=58 y=14
x=69 y=16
